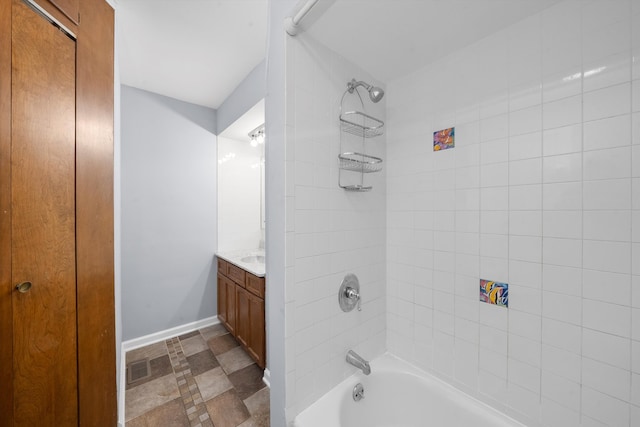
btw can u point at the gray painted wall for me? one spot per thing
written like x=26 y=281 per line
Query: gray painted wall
x=251 y=90
x=168 y=190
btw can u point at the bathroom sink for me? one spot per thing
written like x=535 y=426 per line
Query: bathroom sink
x=253 y=259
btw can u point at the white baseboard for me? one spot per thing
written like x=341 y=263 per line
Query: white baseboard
x=266 y=378
x=167 y=333
x=151 y=339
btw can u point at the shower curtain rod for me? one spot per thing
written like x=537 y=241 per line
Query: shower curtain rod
x=292 y=23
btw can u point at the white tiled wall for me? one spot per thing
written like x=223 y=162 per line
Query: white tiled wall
x=541 y=191
x=330 y=232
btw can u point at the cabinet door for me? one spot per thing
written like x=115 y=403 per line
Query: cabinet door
x=222 y=299
x=230 y=295
x=256 y=344
x=243 y=320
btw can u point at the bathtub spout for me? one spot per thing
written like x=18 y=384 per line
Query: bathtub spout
x=354 y=359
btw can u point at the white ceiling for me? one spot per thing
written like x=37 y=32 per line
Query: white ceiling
x=200 y=50
x=192 y=50
x=391 y=38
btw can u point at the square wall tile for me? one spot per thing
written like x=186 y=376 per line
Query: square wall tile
x=561 y=362
x=608 y=102
x=565 y=83
x=608 y=318
x=493 y=362
x=561 y=335
x=611 y=194
x=522 y=172
x=494 y=222
x=525 y=223
x=567 y=111
x=607 y=225
x=555 y=415
x=525 y=299
x=607 y=164
x=562 y=196
x=525 y=248
x=561 y=390
x=494 y=175
x=608 y=71
x=494 y=151
x=603 y=41
x=607 y=256
x=561 y=279
x=524 y=402
x=525 y=325
x=494 y=199
x=607 y=133
x=525 y=197
x=564 y=224
x=563 y=140
x=525 y=121
x=495 y=127
x=525 y=146
x=614 y=288
x=606 y=348
x=605 y=408
x=525 y=95
x=562 y=252
x=562 y=307
x=563 y=168
x=525 y=350
x=605 y=378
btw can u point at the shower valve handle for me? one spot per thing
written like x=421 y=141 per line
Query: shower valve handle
x=353 y=294
x=349 y=293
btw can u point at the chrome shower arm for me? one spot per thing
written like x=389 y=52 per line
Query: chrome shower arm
x=353 y=84
x=375 y=93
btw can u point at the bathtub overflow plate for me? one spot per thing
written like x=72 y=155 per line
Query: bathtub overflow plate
x=358 y=392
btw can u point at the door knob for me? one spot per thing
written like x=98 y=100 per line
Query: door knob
x=23 y=287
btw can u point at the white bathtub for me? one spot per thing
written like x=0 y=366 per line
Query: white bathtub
x=399 y=395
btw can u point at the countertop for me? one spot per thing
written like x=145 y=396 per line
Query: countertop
x=234 y=257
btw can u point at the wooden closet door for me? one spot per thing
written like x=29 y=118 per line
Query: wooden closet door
x=43 y=222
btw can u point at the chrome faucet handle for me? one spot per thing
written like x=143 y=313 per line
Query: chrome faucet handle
x=349 y=293
x=353 y=294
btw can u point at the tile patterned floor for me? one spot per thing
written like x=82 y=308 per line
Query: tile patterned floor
x=200 y=379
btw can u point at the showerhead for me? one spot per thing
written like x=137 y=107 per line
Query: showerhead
x=375 y=93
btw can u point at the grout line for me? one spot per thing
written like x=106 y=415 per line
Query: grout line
x=191 y=397
x=630 y=296
x=541 y=210
x=580 y=404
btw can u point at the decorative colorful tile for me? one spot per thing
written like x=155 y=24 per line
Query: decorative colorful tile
x=494 y=292
x=444 y=139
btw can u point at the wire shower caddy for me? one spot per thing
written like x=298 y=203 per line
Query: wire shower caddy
x=363 y=126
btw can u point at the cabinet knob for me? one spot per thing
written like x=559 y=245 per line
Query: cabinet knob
x=23 y=287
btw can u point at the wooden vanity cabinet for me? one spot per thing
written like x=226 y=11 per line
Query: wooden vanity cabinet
x=250 y=328
x=227 y=303
x=241 y=308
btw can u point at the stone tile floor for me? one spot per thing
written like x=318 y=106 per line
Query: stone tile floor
x=200 y=379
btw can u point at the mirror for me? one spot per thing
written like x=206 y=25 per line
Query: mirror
x=241 y=183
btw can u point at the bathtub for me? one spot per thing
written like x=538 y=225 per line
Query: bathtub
x=397 y=394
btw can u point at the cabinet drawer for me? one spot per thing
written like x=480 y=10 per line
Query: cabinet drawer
x=236 y=274
x=222 y=266
x=255 y=285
